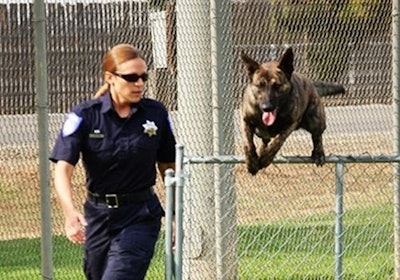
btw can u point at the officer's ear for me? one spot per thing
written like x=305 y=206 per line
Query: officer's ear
x=109 y=77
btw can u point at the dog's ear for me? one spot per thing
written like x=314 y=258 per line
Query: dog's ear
x=286 y=62
x=250 y=65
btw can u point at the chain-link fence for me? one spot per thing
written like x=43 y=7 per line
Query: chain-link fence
x=283 y=218
x=295 y=222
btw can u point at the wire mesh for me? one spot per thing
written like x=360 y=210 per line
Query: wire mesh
x=286 y=222
x=285 y=214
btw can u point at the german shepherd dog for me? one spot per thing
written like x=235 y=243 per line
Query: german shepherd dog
x=277 y=101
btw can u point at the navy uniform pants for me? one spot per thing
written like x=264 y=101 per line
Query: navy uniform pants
x=120 y=241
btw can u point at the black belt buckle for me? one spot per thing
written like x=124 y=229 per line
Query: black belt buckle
x=112 y=200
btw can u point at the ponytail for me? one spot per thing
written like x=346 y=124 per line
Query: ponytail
x=102 y=90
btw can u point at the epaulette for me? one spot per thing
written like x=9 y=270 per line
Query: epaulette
x=87 y=104
x=152 y=103
x=92 y=102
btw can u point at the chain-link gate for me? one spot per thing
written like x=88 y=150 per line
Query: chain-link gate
x=282 y=220
x=310 y=223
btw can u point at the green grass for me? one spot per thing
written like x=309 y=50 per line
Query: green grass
x=282 y=250
x=305 y=249
x=23 y=260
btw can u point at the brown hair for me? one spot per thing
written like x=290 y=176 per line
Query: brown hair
x=114 y=57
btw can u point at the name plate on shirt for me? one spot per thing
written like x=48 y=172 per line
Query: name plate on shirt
x=96 y=135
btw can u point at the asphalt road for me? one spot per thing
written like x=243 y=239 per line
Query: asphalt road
x=22 y=129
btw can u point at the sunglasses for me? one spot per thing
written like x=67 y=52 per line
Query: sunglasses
x=133 y=77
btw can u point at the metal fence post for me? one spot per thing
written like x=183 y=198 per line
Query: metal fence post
x=339 y=221
x=39 y=24
x=194 y=100
x=169 y=185
x=396 y=132
x=179 y=211
x=223 y=120
x=174 y=192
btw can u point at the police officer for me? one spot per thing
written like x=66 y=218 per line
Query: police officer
x=121 y=137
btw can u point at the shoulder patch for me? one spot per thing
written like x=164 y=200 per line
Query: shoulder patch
x=71 y=124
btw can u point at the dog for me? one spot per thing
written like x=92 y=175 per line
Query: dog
x=277 y=101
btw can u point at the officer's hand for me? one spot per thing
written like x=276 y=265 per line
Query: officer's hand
x=74 y=227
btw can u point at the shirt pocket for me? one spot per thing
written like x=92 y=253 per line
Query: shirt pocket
x=100 y=149
x=147 y=143
x=97 y=144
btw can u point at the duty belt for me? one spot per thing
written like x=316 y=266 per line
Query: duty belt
x=113 y=200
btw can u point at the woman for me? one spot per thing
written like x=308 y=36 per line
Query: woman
x=121 y=136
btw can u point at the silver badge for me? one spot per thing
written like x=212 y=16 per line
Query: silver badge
x=150 y=128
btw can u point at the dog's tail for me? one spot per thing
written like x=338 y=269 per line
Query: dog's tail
x=326 y=89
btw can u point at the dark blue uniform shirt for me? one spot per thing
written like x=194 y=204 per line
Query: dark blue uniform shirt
x=118 y=154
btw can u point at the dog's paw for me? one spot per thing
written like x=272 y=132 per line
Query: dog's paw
x=318 y=157
x=252 y=170
x=253 y=167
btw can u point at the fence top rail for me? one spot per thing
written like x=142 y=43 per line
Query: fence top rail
x=295 y=159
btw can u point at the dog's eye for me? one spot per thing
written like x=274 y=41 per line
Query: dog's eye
x=275 y=86
x=262 y=84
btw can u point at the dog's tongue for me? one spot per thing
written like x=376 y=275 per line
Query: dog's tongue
x=268 y=118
